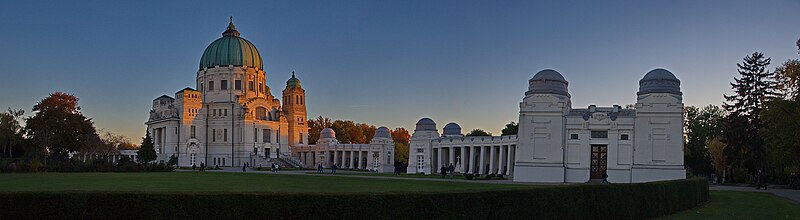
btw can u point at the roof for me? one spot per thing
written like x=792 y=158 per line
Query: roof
x=231 y=49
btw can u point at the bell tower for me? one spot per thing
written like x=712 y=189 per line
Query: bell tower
x=294 y=108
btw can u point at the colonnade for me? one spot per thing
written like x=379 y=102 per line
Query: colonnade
x=497 y=159
x=347 y=159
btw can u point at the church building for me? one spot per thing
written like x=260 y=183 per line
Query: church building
x=231 y=118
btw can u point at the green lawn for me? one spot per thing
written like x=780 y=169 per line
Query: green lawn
x=217 y=182
x=742 y=205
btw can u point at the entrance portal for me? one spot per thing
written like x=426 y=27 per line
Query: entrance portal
x=599 y=161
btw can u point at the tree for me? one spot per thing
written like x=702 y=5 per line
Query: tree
x=11 y=132
x=478 y=132
x=315 y=126
x=755 y=85
x=58 y=127
x=401 y=140
x=781 y=133
x=511 y=129
x=147 y=150
x=701 y=125
x=716 y=149
x=787 y=77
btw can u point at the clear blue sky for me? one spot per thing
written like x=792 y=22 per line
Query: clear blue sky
x=385 y=62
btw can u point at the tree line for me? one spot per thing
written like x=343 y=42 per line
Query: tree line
x=59 y=137
x=757 y=128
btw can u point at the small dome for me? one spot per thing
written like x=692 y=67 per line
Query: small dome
x=327 y=133
x=425 y=124
x=231 y=49
x=549 y=82
x=383 y=132
x=292 y=82
x=659 y=81
x=452 y=129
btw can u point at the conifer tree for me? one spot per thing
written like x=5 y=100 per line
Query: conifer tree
x=754 y=86
x=147 y=151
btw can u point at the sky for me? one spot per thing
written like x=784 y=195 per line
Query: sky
x=386 y=63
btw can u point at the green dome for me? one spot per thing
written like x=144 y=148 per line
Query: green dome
x=293 y=82
x=231 y=50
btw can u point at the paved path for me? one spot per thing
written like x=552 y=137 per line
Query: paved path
x=793 y=195
x=356 y=174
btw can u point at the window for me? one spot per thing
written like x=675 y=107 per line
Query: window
x=420 y=163
x=225 y=135
x=420 y=150
x=223 y=161
x=301 y=138
x=255 y=135
x=250 y=86
x=210 y=85
x=237 y=85
x=278 y=136
x=214 y=112
x=267 y=133
x=223 y=85
x=624 y=137
x=261 y=113
x=573 y=136
x=192 y=132
x=599 y=134
x=297 y=99
x=226 y=111
x=260 y=87
x=201 y=87
x=213 y=134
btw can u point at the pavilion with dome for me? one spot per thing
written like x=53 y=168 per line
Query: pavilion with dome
x=558 y=143
x=231 y=117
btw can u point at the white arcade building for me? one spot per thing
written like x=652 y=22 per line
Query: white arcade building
x=558 y=143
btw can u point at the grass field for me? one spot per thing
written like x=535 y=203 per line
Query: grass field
x=742 y=205
x=217 y=182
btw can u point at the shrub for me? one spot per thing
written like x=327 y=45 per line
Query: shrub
x=584 y=201
x=469 y=176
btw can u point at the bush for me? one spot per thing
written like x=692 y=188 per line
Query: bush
x=583 y=201
x=469 y=176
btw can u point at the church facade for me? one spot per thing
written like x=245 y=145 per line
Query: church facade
x=559 y=143
x=232 y=118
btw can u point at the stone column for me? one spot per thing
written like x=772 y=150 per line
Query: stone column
x=352 y=159
x=503 y=159
x=511 y=158
x=492 y=160
x=360 y=161
x=471 y=160
x=482 y=165
x=451 y=151
x=335 y=157
x=461 y=160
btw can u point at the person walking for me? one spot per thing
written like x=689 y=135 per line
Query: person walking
x=451 y=170
x=443 y=171
x=761 y=180
x=244 y=168
x=333 y=168
x=605 y=176
x=319 y=168
x=194 y=166
x=202 y=167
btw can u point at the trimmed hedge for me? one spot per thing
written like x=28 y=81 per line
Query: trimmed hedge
x=583 y=201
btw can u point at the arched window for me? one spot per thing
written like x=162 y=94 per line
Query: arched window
x=261 y=113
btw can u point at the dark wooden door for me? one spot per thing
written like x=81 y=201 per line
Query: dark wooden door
x=599 y=161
